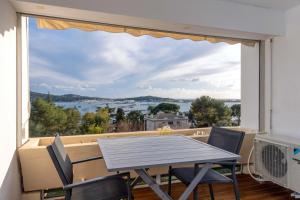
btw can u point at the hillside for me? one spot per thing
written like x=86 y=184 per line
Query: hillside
x=60 y=98
x=148 y=98
x=75 y=97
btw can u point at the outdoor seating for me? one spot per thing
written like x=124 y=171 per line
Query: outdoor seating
x=114 y=187
x=141 y=153
x=222 y=138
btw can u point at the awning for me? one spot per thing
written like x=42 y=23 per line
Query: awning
x=61 y=24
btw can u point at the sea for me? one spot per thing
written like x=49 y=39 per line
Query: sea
x=127 y=105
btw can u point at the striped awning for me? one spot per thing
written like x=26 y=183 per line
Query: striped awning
x=62 y=24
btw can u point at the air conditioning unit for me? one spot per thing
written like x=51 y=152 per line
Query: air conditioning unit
x=277 y=159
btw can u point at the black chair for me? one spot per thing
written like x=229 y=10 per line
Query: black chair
x=113 y=187
x=226 y=139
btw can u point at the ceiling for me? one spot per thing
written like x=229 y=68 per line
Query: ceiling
x=271 y=4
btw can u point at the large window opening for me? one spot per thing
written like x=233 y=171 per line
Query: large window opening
x=101 y=82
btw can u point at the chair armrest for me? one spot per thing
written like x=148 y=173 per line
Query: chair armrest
x=226 y=163
x=88 y=159
x=90 y=181
x=231 y=163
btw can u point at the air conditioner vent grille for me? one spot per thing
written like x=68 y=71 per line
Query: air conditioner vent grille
x=271 y=161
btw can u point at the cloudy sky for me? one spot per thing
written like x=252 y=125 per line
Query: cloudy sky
x=120 y=65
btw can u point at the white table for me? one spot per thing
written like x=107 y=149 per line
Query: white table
x=140 y=153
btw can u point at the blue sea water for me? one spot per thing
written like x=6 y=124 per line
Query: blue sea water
x=127 y=106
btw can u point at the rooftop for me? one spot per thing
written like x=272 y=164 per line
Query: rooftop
x=163 y=115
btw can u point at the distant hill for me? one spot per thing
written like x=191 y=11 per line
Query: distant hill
x=75 y=97
x=148 y=98
x=64 y=97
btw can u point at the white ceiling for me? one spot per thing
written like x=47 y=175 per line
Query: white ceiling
x=271 y=4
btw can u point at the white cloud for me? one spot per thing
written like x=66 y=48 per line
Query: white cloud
x=121 y=52
x=118 y=55
x=65 y=88
x=218 y=62
x=143 y=87
x=220 y=70
x=55 y=80
x=185 y=93
x=38 y=61
x=100 y=62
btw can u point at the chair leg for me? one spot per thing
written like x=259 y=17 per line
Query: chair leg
x=235 y=186
x=42 y=195
x=196 y=193
x=130 y=196
x=129 y=189
x=68 y=195
x=211 y=192
x=170 y=181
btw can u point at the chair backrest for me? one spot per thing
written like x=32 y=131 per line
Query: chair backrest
x=61 y=161
x=229 y=140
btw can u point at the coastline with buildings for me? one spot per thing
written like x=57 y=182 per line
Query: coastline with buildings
x=86 y=104
x=87 y=115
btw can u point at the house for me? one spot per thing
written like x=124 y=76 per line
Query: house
x=161 y=119
x=268 y=30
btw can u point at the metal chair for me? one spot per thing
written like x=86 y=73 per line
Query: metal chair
x=113 y=187
x=226 y=139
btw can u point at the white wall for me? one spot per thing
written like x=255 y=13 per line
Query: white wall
x=24 y=89
x=212 y=17
x=250 y=87
x=286 y=78
x=266 y=80
x=9 y=176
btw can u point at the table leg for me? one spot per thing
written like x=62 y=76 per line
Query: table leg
x=195 y=182
x=151 y=182
x=137 y=180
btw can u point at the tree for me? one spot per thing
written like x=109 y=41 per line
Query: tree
x=88 y=122
x=73 y=120
x=49 y=98
x=135 y=120
x=164 y=107
x=120 y=116
x=208 y=112
x=151 y=109
x=95 y=123
x=236 y=112
x=110 y=110
x=191 y=118
x=46 y=118
x=123 y=126
x=102 y=119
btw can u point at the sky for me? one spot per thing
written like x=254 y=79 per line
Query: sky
x=116 y=65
